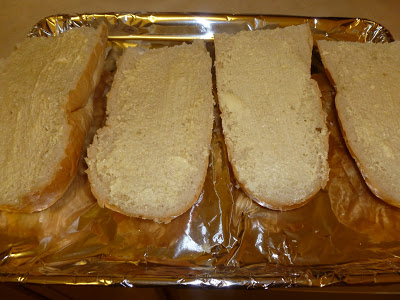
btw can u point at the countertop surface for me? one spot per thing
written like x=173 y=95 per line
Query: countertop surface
x=18 y=17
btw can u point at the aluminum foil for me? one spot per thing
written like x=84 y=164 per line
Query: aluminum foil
x=345 y=235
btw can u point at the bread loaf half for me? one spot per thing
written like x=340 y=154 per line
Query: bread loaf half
x=366 y=77
x=151 y=157
x=272 y=115
x=45 y=85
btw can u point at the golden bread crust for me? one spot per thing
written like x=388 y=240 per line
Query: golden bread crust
x=79 y=116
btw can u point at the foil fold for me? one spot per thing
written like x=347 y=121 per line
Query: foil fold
x=345 y=235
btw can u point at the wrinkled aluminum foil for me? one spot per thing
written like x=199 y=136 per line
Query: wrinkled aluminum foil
x=345 y=235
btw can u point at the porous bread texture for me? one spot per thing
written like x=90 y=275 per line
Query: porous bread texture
x=45 y=85
x=151 y=157
x=272 y=115
x=366 y=77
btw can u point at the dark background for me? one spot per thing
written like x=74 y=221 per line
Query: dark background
x=37 y=291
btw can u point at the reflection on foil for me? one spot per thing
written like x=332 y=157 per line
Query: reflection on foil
x=345 y=235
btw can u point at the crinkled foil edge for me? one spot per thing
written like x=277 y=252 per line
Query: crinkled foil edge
x=260 y=276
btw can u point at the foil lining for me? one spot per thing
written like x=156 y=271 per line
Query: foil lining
x=345 y=235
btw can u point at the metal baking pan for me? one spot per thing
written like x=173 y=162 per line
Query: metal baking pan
x=344 y=236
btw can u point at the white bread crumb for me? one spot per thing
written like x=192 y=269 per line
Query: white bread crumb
x=272 y=114
x=151 y=158
x=366 y=77
x=44 y=114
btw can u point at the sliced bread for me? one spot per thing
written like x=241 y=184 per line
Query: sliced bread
x=151 y=157
x=272 y=115
x=45 y=85
x=366 y=77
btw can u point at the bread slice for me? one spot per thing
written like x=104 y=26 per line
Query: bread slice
x=272 y=115
x=151 y=158
x=45 y=85
x=366 y=77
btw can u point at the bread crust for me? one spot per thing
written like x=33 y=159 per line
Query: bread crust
x=276 y=204
x=270 y=203
x=374 y=188
x=101 y=187
x=79 y=116
x=99 y=191
x=273 y=204
x=104 y=201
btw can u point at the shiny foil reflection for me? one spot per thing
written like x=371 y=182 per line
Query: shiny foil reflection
x=344 y=235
